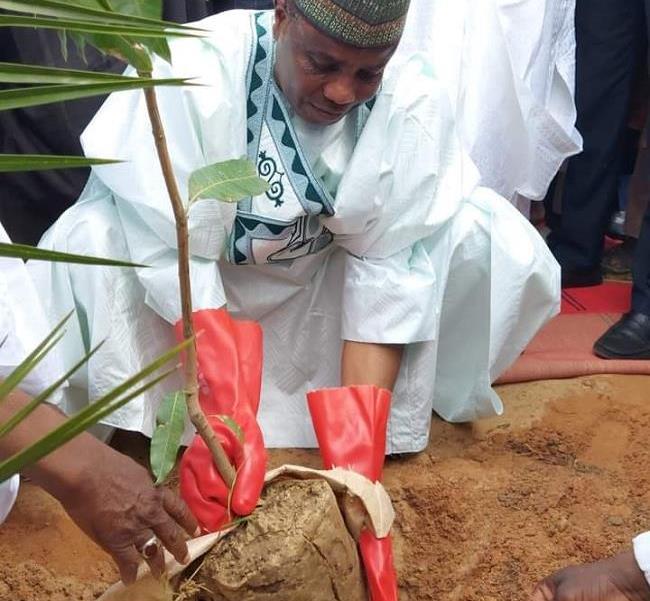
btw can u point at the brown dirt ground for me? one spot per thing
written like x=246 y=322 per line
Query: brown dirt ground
x=488 y=509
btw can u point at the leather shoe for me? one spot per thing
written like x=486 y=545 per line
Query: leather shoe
x=627 y=339
x=581 y=278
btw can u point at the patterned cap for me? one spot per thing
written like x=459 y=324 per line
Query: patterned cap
x=360 y=23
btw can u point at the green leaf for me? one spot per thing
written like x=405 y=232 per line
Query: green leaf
x=80 y=42
x=89 y=26
x=166 y=439
x=233 y=425
x=32 y=253
x=72 y=10
x=32 y=360
x=148 y=9
x=127 y=35
x=125 y=49
x=230 y=181
x=63 y=44
x=19 y=416
x=25 y=97
x=90 y=415
x=34 y=74
x=11 y=163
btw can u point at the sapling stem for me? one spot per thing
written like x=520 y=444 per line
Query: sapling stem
x=191 y=364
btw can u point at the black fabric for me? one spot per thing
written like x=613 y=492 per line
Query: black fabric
x=31 y=202
x=609 y=36
x=641 y=269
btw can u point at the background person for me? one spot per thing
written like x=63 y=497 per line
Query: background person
x=109 y=496
x=624 y=577
x=608 y=38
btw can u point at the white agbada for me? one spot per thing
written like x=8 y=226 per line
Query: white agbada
x=22 y=327
x=508 y=67
x=373 y=230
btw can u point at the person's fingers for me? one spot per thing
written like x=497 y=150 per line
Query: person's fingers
x=150 y=549
x=127 y=561
x=178 y=510
x=171 y=535
x=157 y=562
x=543 y=592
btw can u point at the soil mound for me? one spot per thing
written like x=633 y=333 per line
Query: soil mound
x=295 y=545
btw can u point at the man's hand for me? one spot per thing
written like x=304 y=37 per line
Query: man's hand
x=117 y=505
x=615 y=579
x=110 y=497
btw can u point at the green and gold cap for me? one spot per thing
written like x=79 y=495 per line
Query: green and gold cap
x=360 y=23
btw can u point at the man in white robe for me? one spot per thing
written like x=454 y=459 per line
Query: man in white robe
x=373 y=233
x=509 y=70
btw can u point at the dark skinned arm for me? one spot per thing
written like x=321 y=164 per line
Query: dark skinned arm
x=366 y=363
x=110 y=497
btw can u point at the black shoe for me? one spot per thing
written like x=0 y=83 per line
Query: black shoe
x=618 y=260
x=627 y=339
x=581 y=278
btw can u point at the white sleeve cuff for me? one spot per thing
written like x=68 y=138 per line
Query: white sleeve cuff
x=390 y=301
x=642 y=553
x=8 y=494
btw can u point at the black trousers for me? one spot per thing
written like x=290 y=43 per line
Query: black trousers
x=641 y=269
x=609 y=35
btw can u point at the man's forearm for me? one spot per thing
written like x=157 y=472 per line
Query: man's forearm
x=61 y=471
x=366 y=363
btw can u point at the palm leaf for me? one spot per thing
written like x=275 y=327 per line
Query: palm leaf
x=19 y=416
x=131 y=50
x=32 y=360
x=35 y=74
x=71 y=10
x=90 y=415
x=139 y=31
x=32 y=253
x=25 y=97
x=12 y=163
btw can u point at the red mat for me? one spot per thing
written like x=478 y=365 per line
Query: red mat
x=610 y=297
x=563 y=348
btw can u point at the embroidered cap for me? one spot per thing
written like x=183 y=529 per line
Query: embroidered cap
x=360 y=23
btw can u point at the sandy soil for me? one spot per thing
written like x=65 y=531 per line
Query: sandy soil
x=489 y=508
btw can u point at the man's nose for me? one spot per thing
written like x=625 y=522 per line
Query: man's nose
x=340 y=91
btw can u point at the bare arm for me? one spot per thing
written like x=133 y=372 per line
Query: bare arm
x=60 y=472
x=110 y=497
x=366 y=363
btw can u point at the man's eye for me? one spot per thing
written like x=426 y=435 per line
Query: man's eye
x=369 y=76
x=316 y=67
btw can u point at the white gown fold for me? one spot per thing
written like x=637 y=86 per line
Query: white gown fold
x=22 y=327
x=396 y=244
x=508 y=67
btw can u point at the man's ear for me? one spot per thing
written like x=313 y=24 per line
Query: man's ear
x=281 y=16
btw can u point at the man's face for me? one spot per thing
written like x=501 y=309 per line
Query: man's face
x=322 y=79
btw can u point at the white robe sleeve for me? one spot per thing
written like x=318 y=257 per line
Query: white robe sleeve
x=642 y=553
x=508 y=69
x=203 y=124
x=404 y=184
x=22 y=327
x=431 y=256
